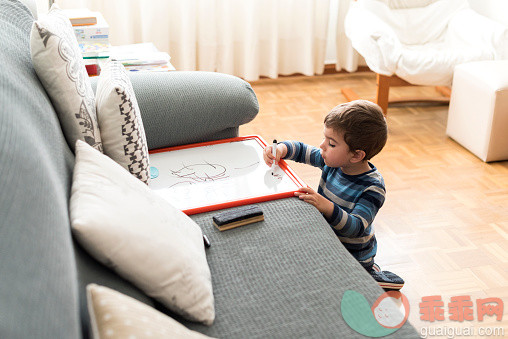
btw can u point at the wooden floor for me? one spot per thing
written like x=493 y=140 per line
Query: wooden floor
x=444 y=226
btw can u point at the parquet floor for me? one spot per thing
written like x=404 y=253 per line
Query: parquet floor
x=444 y=226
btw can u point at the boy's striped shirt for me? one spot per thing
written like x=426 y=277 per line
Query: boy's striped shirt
x=356 y=198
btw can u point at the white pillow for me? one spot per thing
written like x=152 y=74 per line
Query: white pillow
x=122 y=133
x=127 y=227
x=59 y=65
x=116 y=316
x=397 y=4
x=419 y=25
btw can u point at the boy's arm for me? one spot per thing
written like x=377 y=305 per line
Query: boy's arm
x=300 y=152
x=355 y=223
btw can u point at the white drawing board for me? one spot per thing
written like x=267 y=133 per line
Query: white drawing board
x=227 y=173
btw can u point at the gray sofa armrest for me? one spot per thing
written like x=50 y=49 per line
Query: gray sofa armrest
x=186 y=107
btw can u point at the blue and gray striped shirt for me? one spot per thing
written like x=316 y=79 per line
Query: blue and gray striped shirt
x=356 y=199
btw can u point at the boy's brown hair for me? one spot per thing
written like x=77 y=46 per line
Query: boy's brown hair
x=363 y=124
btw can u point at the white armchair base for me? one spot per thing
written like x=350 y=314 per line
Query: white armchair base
x=478 y=113
x=383 y=84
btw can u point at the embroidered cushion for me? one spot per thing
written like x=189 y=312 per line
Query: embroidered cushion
x=59 y=65
x=122 y=132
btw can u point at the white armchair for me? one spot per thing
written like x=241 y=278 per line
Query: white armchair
x=419 y=42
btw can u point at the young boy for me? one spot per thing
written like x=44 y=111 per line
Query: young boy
x=351 y=190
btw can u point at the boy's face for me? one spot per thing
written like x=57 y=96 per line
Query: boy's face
x=334 y=150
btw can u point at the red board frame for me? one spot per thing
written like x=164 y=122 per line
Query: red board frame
x=239 y=202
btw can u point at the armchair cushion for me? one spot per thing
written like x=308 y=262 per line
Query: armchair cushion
x=417 y=25
x=376 y=41
x=468 y=27
x=407 y=3
x=180 y=108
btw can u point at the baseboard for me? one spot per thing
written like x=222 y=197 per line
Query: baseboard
x=330 y=69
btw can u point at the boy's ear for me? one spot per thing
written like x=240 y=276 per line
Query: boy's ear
x=358 y=156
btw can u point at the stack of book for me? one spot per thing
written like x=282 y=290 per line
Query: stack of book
x=92 y=34
x=142 y=57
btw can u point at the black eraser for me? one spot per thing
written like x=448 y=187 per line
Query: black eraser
x=238 y=216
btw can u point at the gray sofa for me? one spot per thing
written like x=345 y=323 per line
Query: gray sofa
x=283 y=277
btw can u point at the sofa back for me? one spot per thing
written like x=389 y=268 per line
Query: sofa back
x=38 y=285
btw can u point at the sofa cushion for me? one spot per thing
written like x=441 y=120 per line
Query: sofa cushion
x=129 y=228
x=38 y=287
x=116 y=316
x=122 y=132
x=57 y=60
x=283 y=277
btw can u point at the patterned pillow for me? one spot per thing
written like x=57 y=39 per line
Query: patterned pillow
x=115 y=315
x=122 y=132
x=58 y=63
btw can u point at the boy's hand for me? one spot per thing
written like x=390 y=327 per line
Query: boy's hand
x=268 y=156
x=323 y=205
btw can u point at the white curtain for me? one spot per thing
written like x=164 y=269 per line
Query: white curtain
x=346 y=57
x=246 y=38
